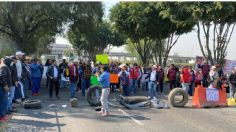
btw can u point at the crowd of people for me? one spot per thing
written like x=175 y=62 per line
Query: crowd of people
x=17 y=74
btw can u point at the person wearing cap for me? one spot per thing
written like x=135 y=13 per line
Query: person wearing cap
x=22 y=75
x=73 y=75
x=124 y=79
x=54 y=77
x=153 y=82
x=104 y=79
x=5 y=83
x=232 y=82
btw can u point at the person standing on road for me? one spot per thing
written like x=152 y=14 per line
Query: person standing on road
x=161 y=78
x=22 y=75
x=12 y=89
x=87 y=72
x=5 y=83
x=134 y=77
x=192 y=81
x=198 y=77
x=185 y=79
x=74 y=74
x=104 y=79
x=36 y=76
x=62 y=68
x=205 y=72
x=124 y=79
x=232 y=82
x=54 y=77
x=171 y=74
x=153 y=82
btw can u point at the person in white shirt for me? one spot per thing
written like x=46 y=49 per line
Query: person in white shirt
x=153 y=82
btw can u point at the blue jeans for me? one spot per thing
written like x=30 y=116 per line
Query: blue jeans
x=152 y=89
x=3 y=101
x=185 y=86
x=36 y=84
x=133 y=85
x=191 y=89
x=19 y=92
x=85 y=85
x=72 y=89
x=11 y=94
x=125 y=89
x=63 y=84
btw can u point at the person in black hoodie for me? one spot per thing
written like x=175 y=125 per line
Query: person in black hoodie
x=5 y=83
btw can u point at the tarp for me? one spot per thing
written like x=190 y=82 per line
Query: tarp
x=103 y=58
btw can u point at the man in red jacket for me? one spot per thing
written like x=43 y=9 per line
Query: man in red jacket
x=74 y=75
x=186 y=78
x=135 y=74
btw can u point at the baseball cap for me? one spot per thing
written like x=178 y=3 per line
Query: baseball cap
x=20 y=53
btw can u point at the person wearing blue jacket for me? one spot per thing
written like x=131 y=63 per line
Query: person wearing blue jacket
x=36 y=75
x=104 y=79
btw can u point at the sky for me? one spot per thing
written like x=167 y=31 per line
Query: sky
x=186 y=46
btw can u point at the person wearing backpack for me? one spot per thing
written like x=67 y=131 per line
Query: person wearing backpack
x=153 y=82
x=124 y=79
x=134 y=77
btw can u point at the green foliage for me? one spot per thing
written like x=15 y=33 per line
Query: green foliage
x=148 y=22
x=7 y=48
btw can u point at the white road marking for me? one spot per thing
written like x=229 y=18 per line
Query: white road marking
x=126 y=114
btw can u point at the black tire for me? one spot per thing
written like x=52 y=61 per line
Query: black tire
x=90 y=91
x=178 y=91
x=134 y=99
x=32 y=104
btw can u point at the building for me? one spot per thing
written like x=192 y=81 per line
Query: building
x=58 y=49
x=121 y=57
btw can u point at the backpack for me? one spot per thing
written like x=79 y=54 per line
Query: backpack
x=124 y=79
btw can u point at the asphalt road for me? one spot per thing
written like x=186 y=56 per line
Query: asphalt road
x=85 y=118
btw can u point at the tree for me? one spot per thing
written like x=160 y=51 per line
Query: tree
x=220 y=16
x=134 y=20
x=176 y=20
x=26 y=23
x=91 y=35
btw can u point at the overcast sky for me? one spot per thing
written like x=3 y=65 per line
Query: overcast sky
x=187 y=45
